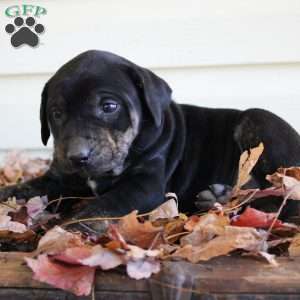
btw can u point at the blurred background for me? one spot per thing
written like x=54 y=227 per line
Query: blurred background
x=215 y=53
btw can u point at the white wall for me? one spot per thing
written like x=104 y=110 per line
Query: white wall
x=217 y=53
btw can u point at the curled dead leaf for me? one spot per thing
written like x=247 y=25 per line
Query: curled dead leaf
x=137 y=233
x=102 y=257
x=141 y=269
x=7 y=225
x=57 y=240
x=167 y=210
x=233 y=238
x=247 y=162
x=196 y=223
x=257 y=219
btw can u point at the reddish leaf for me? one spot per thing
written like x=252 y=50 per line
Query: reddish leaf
x=255 y=218
x=20 y=215
x=76 y=279
x=74 y=255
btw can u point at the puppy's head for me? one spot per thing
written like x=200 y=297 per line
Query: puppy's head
x=94 y=107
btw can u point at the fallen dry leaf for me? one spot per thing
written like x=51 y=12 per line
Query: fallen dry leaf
x=74 y=255
x=137 y=233
x=104 y=258
x=292 y=187
x=57 y=240
x=294 y=248
x=20 y=215
x=76 y=279
x=142 y=263
x=172 y=230
x=167 y=210
x=7 y=224
x=19 y=167
x=36 y=206
x=288 y=178
x=191 y=223
x=276 y=178
x=9 y=206
x=204 y=229
x=68 y=260
x=136 y=253
x=141 y=269
x=26 y=237
x=233 y=238
x=247 y=162
x=202 y=235
x=255 y=218
x=194 y=224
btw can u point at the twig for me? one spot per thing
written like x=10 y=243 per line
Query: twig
x=57 y=206
x=154 y=240
x=71 y=197
x=278 y=213
x=176 y=235
x=281 y=207
x=93 y=219
x=235 y=207
x=243 y=202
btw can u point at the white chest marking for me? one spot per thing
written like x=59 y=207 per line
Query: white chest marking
x=92 y=184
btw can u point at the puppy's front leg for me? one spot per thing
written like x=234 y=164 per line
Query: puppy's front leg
x=143 y=191
x=43 y=185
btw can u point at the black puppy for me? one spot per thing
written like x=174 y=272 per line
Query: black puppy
x=118 y=135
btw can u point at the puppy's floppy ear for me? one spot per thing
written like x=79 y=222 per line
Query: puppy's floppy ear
x=155 y=92
x=45 y=131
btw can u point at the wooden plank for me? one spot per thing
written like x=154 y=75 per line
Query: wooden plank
x=221 y=278
x=45 y=294
x=234 y=275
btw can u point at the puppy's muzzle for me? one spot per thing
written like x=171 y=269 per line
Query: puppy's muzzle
x=78 y=154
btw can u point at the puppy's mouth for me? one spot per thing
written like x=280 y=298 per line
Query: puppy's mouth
x=95 y=169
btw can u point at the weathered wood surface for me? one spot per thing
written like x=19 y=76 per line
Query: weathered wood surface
x=224 y=278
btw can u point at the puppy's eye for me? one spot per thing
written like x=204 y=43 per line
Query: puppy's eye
x=109 y=106
x=56 y=114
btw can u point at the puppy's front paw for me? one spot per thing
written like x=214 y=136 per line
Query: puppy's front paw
x=7 y=192
x=220 y=193
x=90 y=228
x=90 y=222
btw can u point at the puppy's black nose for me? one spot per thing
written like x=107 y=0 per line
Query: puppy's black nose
x=80 y=158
